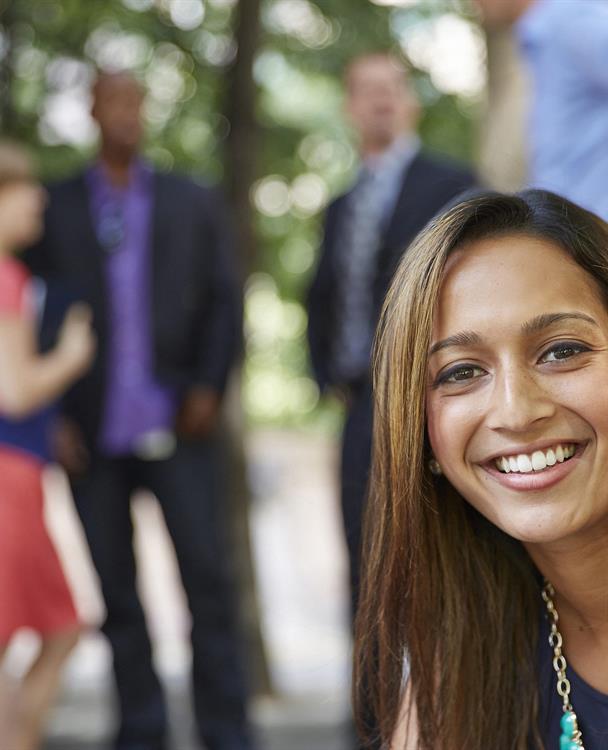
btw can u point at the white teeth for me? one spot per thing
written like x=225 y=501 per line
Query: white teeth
x=524 y=464
x=537 y=461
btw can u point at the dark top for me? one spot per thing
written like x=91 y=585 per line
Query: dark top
x=590 y=706
x=30 y=435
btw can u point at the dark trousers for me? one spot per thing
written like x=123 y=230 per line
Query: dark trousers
x=356 y=460
x=187 y=488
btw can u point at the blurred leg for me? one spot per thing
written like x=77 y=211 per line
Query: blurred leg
x=39 y=688
x=103 y=502
x=9 y=705
x=187 y=486
x=356 y=460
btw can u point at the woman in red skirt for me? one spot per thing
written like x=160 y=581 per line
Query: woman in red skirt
x=33 y=590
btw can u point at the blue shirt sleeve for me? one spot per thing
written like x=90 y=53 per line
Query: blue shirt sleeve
x=581 y=31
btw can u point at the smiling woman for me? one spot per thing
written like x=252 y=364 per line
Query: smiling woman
x=489 y=491
x=516 y=366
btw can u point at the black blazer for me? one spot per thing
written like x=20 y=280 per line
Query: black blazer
x=196 y=301
x=429 y=183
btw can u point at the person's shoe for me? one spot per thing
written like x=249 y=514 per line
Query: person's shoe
x=240 y=739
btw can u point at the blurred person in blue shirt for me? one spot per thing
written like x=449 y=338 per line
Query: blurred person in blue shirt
x=564 y=44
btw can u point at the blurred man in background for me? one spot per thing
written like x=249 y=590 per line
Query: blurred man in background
x=398 y=190
x=151 y=254
x=564 y=44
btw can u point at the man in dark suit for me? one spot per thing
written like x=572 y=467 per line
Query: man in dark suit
x=398 y=190
x=151 y=253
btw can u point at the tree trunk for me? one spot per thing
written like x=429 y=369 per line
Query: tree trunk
x=242 y=141
x=241 y=167
x=7 y=110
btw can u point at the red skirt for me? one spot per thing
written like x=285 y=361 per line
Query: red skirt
x=33 y=590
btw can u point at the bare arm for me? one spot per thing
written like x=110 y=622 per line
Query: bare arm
x=29 y=381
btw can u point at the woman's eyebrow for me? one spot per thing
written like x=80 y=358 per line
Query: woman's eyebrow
x=541 y=322
x=537 y=324
x=464 y=338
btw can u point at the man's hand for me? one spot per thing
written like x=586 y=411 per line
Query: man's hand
x=343 y=394
x=69 y=447
x=198 y=413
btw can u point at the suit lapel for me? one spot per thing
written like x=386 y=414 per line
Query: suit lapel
x=86 y=252
x=82 y=221
x=407 y=205
x=334 y=227
x=159 y=243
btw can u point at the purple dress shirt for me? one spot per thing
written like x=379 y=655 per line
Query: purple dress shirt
x=137 y=406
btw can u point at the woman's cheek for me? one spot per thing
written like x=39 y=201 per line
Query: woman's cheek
x=437 y=423
x=452 y=424
x=577 y=393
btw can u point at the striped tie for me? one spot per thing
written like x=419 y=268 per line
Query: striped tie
x=359 y=245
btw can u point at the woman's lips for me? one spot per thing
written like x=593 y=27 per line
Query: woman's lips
x=535 y=480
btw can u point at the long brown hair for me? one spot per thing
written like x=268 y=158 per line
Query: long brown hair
x=444 y=589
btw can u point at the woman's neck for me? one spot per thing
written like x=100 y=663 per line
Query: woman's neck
x=6 y=251
x=578 y=570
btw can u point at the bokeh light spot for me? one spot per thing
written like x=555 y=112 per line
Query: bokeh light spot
x=271 y=196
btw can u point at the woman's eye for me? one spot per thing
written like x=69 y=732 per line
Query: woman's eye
x=563 y=351
x=460 y=374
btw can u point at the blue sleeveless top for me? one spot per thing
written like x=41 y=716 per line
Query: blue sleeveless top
x=31 y=435
x=590 y=706
x=20 y=294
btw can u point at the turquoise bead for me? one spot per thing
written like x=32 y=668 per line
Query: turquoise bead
x=568 y=723
x=567 y=743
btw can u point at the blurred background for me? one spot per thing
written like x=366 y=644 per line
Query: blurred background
x=248 y=94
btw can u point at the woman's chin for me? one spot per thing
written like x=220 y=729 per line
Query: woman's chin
x=540 y=525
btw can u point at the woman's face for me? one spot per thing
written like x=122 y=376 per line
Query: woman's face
x=21 y=213
x=517 y=400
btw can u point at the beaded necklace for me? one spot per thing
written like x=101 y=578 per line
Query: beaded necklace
x=571 y=737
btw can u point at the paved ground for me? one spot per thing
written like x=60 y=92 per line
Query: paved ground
x=299 y=738
x=285 y=726
x=301 y=572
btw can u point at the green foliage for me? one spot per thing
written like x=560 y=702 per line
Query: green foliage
x=305 y=154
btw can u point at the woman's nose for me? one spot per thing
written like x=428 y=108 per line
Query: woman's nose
x=518 y=400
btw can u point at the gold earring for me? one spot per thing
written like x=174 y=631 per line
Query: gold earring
x=435 y=468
